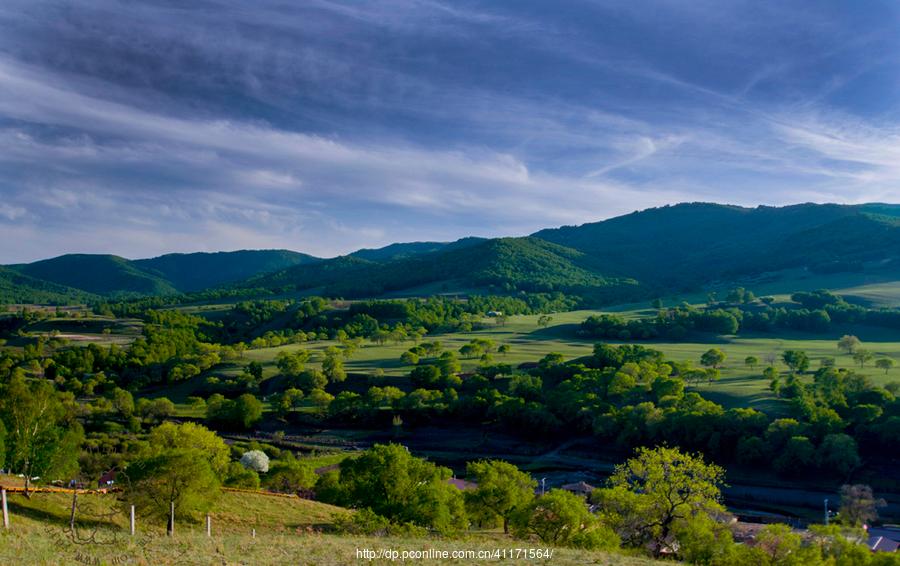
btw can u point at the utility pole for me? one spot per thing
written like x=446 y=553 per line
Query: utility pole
x=543 y=485
x=826 y=512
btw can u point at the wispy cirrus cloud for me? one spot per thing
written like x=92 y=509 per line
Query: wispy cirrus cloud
x=327 y=126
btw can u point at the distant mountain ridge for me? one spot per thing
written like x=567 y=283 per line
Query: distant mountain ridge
x=114 y=276
x=668 y=249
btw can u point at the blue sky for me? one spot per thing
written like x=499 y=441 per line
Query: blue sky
x=139 y=128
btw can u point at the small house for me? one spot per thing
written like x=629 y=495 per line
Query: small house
x=581 y=488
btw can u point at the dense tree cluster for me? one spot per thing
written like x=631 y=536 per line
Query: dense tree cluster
x=816 y=311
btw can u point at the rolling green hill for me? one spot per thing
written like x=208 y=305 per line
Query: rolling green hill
x=661 y=250
x=503 y=264
x=98 y=274
x=197 y=271
x=686 y=245
x=80 y=277
x=16 y=287
x=406 y=250
x=672 y=249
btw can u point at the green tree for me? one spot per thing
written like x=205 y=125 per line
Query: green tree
x=838 y=452
x=179 y=476
x=154 y=410
x=181 y=464
x=394 y=484
x=561 y=518
x=796 y=360
x=425 y=376
x=470 y=350
x=884 y=363
x=849 y=343
x=502 y=489
x=283 y=403
x=797 y=455
x=291 y=364
x=241 y=477
x=861 y=357
x=333 y=365
x=190 y=436
x=42 y=435
x=448 y=364
x=776 y=545
x=771 y=374
x=714 y=358
x=311 y=379
x=704 y=540
x=751 y=362
x=320 y=400
x=650 y=494
x=240 y=413
x=256 y=370
x=123 y=402
x=289 y=475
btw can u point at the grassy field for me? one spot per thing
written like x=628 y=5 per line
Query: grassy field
x=99 y=330
x=739 y=385
x=288 y=531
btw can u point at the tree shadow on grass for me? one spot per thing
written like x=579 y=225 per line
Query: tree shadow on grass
x=58 y=517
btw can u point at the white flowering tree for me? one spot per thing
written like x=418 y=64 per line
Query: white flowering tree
x=255 y=460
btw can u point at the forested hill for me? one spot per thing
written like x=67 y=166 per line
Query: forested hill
x=688 y=244
x=197 y=271
x=655 y=251
x=16 y=287
x=406 y=250
x=502 y=264
x=53 y=280
x=660 y=250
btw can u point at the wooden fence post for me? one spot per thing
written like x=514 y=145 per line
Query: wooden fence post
x=171 y=519
x=132 y=520
x=208 y=525
x=5 y=510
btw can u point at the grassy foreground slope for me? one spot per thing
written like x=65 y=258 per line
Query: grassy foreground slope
x=289 y=530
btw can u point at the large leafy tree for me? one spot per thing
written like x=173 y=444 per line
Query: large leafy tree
x=797 y=360
x=394 y=484
x=182 y=465
x=849 y=343
x=714 y=358
x=561 y=518
x=652 y=492
x=502 y=489
x=240 y=413
x=191 y=436
x=333 y=365
x=179 y=476
x=43 y=437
